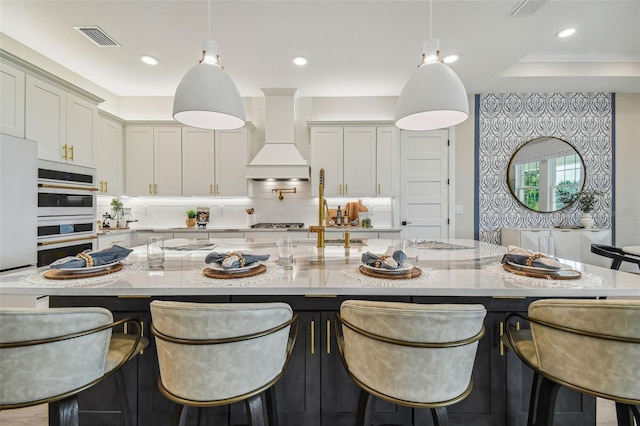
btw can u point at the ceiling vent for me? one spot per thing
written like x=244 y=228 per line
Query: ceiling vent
x=526 y=8
x=99 y=37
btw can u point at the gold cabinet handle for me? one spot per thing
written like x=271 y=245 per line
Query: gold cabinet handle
x=346 y=188
x=210 y=188
x=155 y=188
x=106 y=186
x=328 y=336
x=313 y=337
x=340 y=190
x=501 y=333
x=71 y=149
x=101 y=191
x=64 y=150
x=150 y=190
x=217 y=189
x=378 y=189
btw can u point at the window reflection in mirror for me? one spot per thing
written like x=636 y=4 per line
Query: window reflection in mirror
x=543 y=172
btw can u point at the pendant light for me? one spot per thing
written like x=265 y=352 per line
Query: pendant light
x=434 y=96
x=206 y=97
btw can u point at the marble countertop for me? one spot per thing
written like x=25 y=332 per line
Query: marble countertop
x=353 y=229
x=463 y=268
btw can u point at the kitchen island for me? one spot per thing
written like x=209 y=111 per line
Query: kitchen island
x=315 y=390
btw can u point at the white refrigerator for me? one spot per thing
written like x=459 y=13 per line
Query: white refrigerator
x=18 y=202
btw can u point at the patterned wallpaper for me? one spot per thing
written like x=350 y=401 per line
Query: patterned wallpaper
x=504 y=122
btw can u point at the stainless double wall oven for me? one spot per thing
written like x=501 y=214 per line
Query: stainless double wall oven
x=66 y=210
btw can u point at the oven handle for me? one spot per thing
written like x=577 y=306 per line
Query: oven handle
x=69 y=240
x=81 y=188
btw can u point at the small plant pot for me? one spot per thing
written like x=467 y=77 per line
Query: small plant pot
x=586 y=220
x=191 y=222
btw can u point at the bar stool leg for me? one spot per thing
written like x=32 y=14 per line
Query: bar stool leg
x=533 y=399
x=180 y=415
x=254 y=411
x=272 y=406
x=546 y=393
x=624 y=414
x=64 y=412
x=440 y=416
x=366 y=409
x=122 y=397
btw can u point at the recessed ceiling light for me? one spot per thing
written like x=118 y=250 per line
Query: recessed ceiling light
x=566 y=33
x=300 y=60
x=451 y=58
x=149 y=60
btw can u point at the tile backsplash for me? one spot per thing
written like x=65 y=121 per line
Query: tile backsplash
x=170 y=212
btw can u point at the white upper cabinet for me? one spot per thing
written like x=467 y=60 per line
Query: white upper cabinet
x=139 y=161
x=64 y=125
x=109 y=158
x=167 y=153
x=46 y=119
x=12 y=87
x=153 y=158
x=327 y=154
x=231 y=150
x=359 y=161
x=83 y=130
x=387 y=161
x=198 y=167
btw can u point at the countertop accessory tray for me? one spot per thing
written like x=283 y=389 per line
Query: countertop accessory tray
x=62 y=274
x=212 y=273
x=414 y=272
x=563 y=274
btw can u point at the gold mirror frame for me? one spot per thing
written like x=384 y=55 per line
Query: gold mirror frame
x=544 y=202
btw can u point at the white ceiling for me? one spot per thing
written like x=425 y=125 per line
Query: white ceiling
x=355 y=48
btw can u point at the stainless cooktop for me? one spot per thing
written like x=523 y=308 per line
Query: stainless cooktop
x=276 y=225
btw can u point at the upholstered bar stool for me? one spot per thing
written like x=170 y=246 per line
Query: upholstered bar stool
x=213 y=354
x=416 y=355
x=592 y=346
x=49 y=355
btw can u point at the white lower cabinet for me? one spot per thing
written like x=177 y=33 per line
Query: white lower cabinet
x=571 y=244
x=588 y=237
x=122 y=239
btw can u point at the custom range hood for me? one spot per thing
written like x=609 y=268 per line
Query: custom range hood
x=279 y=158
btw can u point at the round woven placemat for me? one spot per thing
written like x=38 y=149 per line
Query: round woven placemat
x=569 y=274
x=64 y=274
x=212 y=273
x=411 y=273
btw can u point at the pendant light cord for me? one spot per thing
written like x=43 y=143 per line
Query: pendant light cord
x=209 y=16
x=430 y=19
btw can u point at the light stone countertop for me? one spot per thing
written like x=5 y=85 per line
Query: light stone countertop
x=460 y=271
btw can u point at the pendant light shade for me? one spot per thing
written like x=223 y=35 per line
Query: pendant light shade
x=433 y=98
x=207 y=98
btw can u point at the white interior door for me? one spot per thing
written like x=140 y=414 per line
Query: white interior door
x=424 y=201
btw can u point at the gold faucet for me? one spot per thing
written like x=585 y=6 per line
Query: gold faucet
x=321 y=213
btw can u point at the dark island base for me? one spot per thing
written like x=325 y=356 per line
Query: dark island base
x=315 y=390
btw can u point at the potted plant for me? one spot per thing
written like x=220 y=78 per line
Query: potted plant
x=587 y=200
x=191 y=217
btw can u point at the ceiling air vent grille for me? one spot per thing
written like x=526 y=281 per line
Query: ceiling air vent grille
x=99 y=37
x=526 y=7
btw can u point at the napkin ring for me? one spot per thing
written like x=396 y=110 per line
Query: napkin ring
x=88 y=260
x=381 y=259
x=533 y=257
x=239 y=255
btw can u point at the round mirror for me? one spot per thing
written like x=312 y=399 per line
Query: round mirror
x=545 y=174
